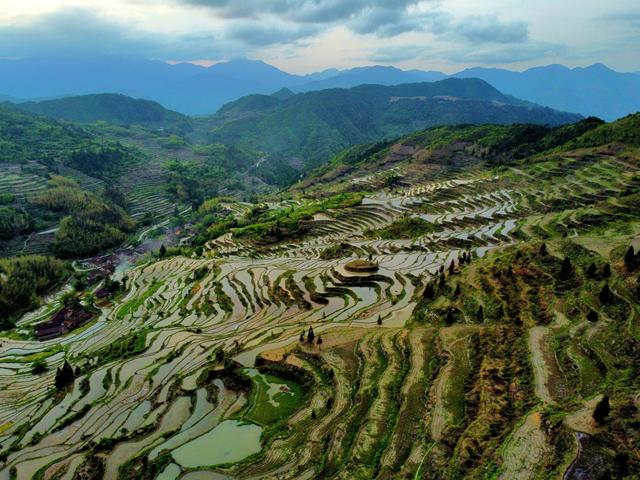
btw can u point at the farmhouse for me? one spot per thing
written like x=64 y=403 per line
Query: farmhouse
x=62 y=322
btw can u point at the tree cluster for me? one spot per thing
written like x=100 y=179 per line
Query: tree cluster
x=64 y=376
x=23 y=281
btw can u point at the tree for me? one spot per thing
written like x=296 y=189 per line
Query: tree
x=456 y=292
x=163 y=251
x=319 y=341
x=310 y=336
x=591 y=270
x=452 y=267
x=605 y=294
x=592 y=316
x=379 y=320
x=566 y=270
x=601 y=412
x=302 y=336
x=39 y=366
x=606 y=271
x=71 y=300
x=480 y=314
x=64 y=376
x=428 y=291
x=630 y=258
x=313 y=415
x=543 y=249
x=449 y=320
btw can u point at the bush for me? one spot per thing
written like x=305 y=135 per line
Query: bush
x=39 y=366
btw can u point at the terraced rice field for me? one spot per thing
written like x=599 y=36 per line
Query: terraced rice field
x=385 y=395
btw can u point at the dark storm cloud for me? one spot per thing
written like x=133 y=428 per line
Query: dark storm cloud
x=491 y=30
x=254 y=34
x=383 y=18
x=308 y=11
x=253 y=24
x=385 y=22
x=80 y=32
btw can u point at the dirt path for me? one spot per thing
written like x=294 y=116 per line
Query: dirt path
x=524 y=450
x=440 y=415
x=540 y=368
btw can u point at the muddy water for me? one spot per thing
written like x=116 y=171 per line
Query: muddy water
x=231 y=441
x=171 y=472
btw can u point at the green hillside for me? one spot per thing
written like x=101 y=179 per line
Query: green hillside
x=308 y=129
x=50 y=170
x=112 y=108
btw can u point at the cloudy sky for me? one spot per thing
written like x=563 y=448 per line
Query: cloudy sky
x=301 y=36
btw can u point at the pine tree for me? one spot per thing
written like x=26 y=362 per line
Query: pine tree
x=630 y=258
x=566 y=270
x=601 y=412
x=163 y=251
x=592 y=316
x=313 y=415
x=310 y=336
x=452 y=267
x=543 y=249
x=591 y=270
x=428 y=291
x=302 y=336
x=449 y=320
x=379 y=320
x=319 y=341
x=480 y=314
x=456 y=292
x=64 y=376
x=606 y=271
x=605 y=294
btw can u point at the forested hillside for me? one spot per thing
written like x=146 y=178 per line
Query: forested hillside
x=308 y=129
x=111 y=108
x=50 y=171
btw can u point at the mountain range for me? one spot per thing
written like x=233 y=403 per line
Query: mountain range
x=197 y=90
x=595 y=90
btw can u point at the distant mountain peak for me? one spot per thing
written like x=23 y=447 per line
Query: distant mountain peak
x=598 y=67
x=283 y=94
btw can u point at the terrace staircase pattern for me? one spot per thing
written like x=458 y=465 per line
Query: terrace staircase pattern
x=399 y=391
